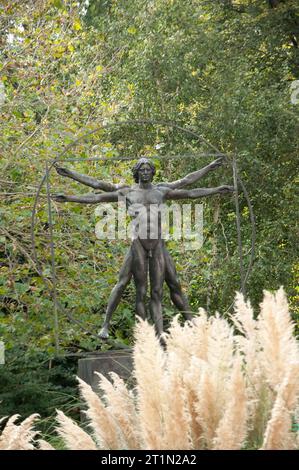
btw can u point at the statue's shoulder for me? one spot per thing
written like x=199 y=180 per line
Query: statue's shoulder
x=163 y=187
x=124 y=190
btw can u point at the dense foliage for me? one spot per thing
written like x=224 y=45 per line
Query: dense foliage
x=221 y=68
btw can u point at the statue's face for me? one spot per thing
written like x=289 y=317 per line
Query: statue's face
x=145 y=173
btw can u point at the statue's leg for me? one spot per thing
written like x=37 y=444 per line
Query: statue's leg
x=176 y=294
x=157 y=276
x=140 y=269
x=124 y=278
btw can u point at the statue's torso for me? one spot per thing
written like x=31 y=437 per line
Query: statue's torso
x=144 y=206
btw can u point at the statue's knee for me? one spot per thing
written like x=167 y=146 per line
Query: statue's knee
x=174 y=286
x=122 y=284
x=140 y=293
x=156 y=293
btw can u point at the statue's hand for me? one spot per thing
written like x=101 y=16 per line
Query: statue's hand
x=216 y=163
x=226 y=189
x=59 y=197
x=61 y=171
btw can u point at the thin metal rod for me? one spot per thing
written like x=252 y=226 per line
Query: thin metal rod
x=156 y=157
x=253 y=230
x=53 y=270
x=238 y=224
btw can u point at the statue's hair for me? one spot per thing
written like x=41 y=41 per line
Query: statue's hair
x=140 y=162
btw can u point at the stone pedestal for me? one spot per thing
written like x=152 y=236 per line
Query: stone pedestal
x=118 y=361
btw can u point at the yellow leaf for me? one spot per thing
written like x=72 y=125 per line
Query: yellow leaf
x=132 y=30
x=77 y=25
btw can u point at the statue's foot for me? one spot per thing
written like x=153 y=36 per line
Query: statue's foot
x=188 y=317
x=103 y=334
x=163 y=340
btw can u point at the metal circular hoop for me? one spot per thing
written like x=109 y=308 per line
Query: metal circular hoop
x=230 y=159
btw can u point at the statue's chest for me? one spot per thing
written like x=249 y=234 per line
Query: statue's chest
x=151 y=196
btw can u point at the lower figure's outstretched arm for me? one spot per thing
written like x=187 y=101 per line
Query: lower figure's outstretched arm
x=198 y=192
x=89 y=198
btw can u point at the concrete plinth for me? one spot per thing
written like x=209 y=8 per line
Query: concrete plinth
x=118 y=361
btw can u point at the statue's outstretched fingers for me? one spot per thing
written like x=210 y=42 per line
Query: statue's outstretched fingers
x=60 y=170
x=219 y=161
x=226 y=189
x=59 y=197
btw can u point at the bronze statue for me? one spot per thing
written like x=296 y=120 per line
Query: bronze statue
x=147 y=254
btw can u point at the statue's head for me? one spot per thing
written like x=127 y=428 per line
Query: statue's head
x=144 y=170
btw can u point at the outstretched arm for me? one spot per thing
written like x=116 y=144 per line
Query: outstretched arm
x=89 y=198
x=88 y=180
x=193 y=177
x=198 y=192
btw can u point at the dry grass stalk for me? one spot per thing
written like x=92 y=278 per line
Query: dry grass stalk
x=73 y=436
x=18 y=437
x=214 y=387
